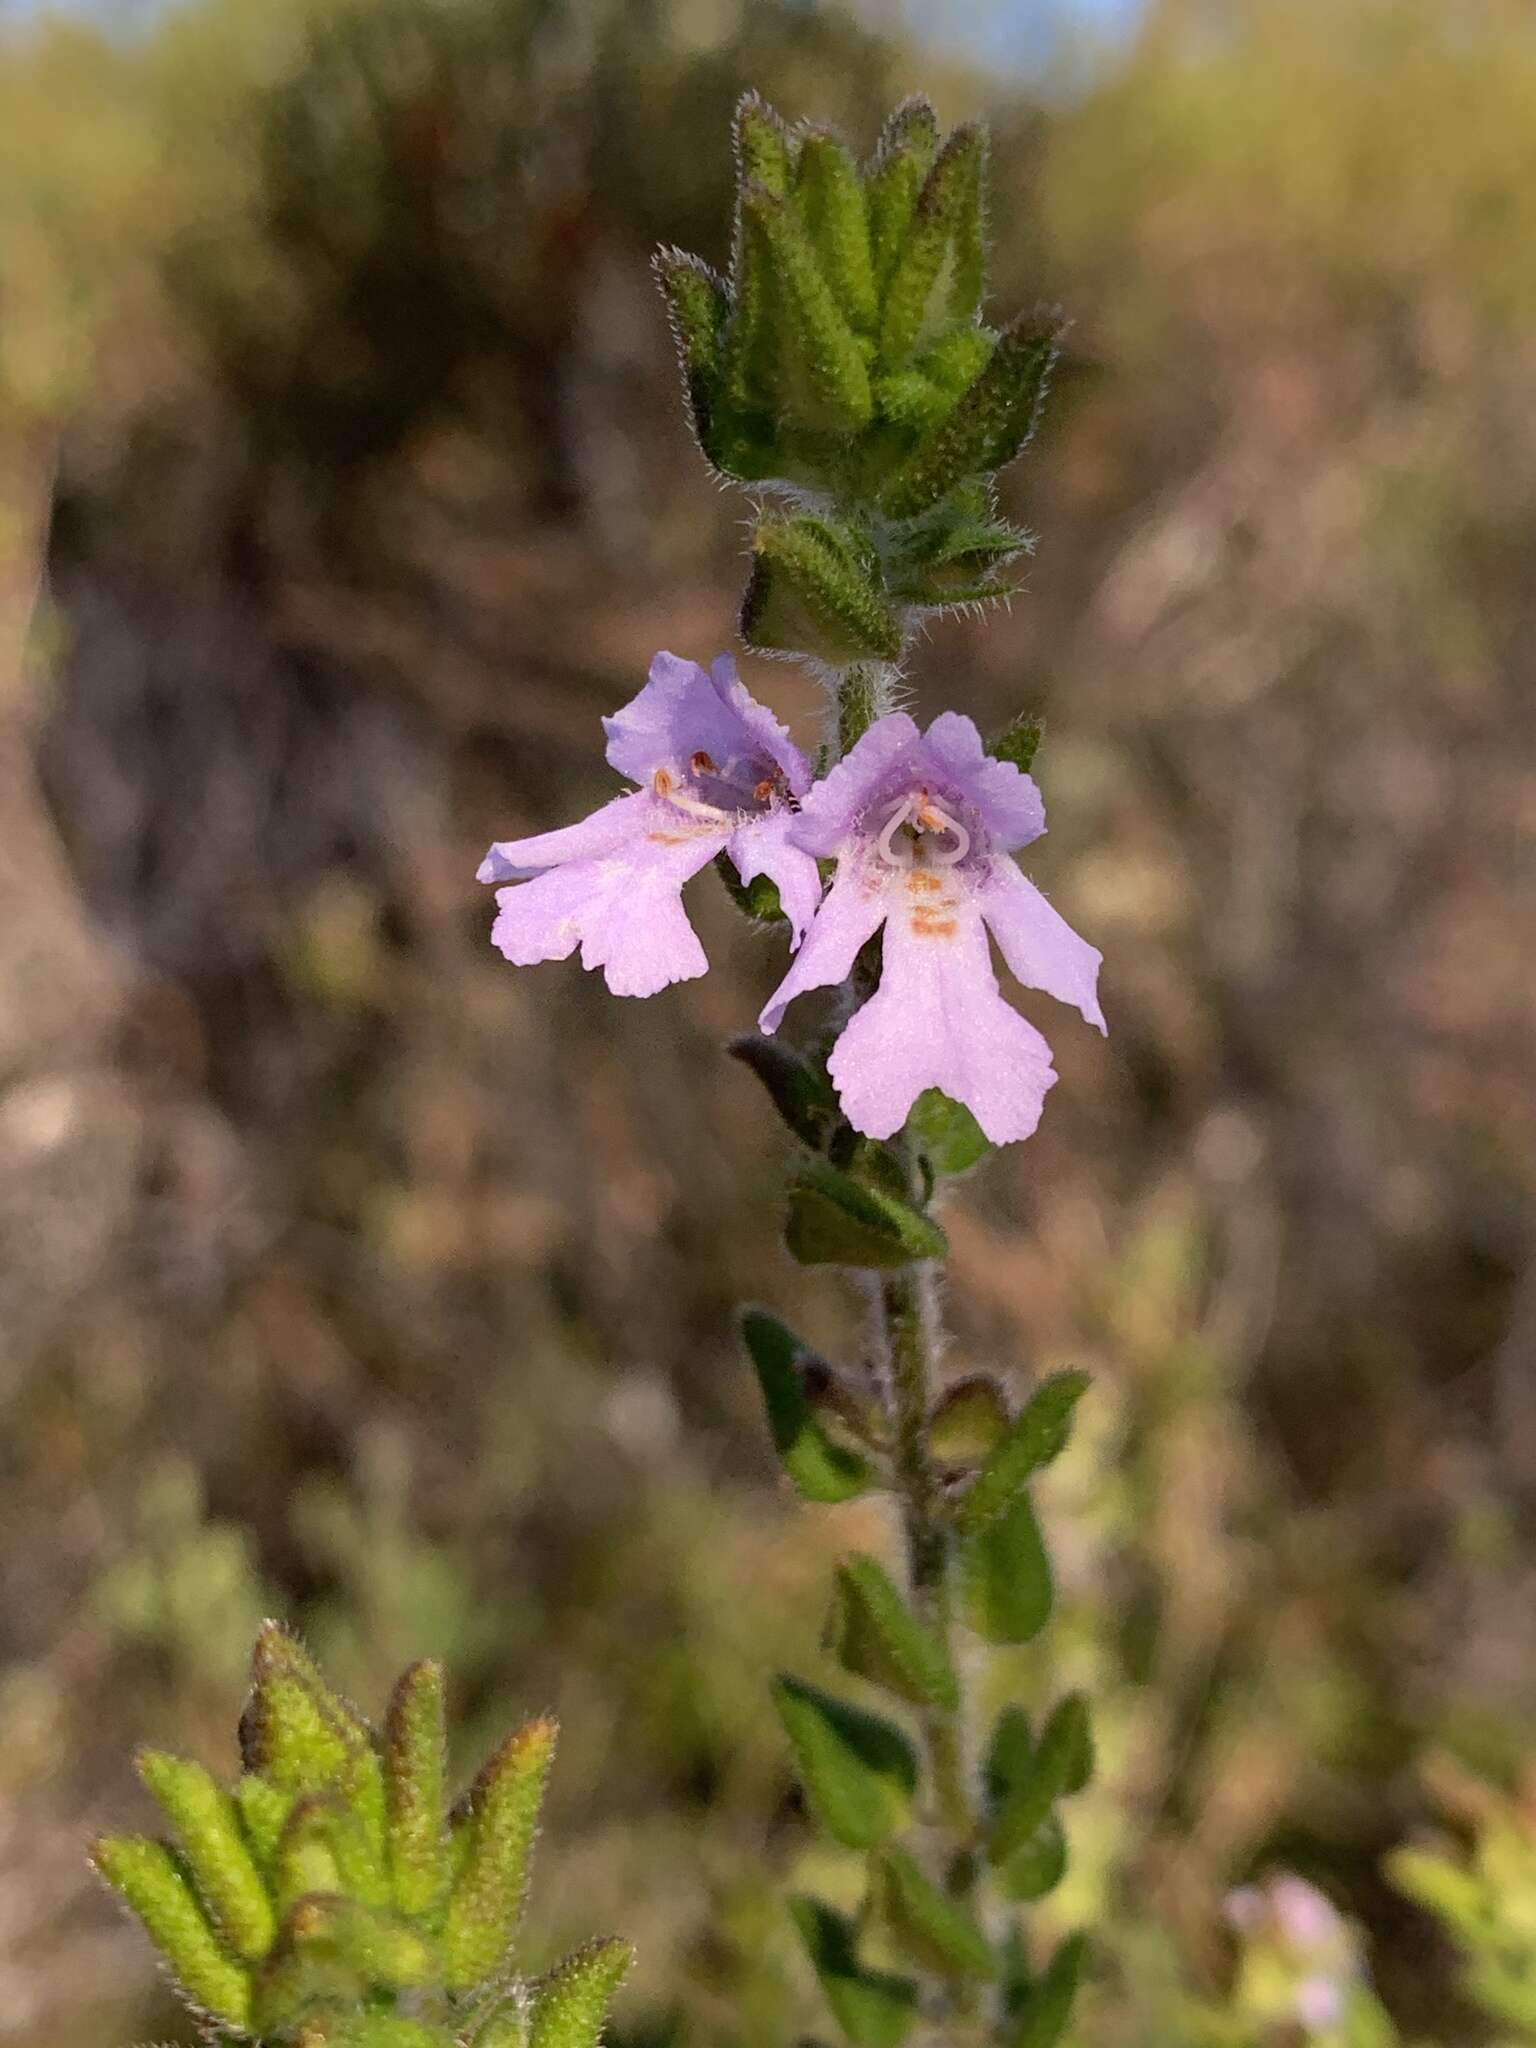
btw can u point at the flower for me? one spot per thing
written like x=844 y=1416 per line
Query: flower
x=922 y=826
x=716 y=772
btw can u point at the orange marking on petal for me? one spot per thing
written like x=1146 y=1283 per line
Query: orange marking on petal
x=933 y=928
x=920 y=879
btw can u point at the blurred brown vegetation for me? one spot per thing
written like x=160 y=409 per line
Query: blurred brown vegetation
x=346 y=1272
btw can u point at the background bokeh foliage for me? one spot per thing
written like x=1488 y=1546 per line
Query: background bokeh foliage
x=348 y=1275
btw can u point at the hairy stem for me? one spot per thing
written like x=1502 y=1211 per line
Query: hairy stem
x=866 y=692
x=910 y=1320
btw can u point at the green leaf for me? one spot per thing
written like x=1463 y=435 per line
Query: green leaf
x=820 y=1469
x=1005 y=1576
x=1019 y=741
x=698 y=308
x=874 y=2010
x=571 y=2002
x=823 y=380
x=957 y=561
x=264 y=1811
x=835 y=1220
x=749 y=362
x=987 y=428
x=372 y=1947
x=1010 y=1754
x=1039 y=1866
x=933 y=1928
x=757 y=899
x=205 y=1825
x=875 y=1635
x=1048 y=2007
x=799 y=1090
x=764 y=150
x=831 y=202
x=909 y=399
x=902 y=159
x=968 y=1420
x=375 y=2030
x=958 y=358
x=1061 y=1763
x=946 y=1133
x=486 y=1902
x=1069 y=1734
x=296 y=1730
x=148 y=1878
x=937 y=277
x=859 y=1771
x=1035 y=1437
x=416 y=1763
x=324 y=1848
x=814 y=590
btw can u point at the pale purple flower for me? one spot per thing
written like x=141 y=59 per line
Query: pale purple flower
x=922 y=826
x=716 y=772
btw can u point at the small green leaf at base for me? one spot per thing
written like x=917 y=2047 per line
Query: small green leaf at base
x=986 y=429
x=859 y=1771
x=874 y=2010
x=800 y=1092
x=1019 y=741
x=835 y=1220
x=571 y=2003
x=931 y=1927
x=946 y=1133
x=968 y=1421
x=813 y=591
x=819 y=1469
x=1048 y=2005
x=297 y=1731
x=1005 y=1577
x=206 y=1826
x=875 y=1635
x=1036 y=1869
x=486 y=1902
x=416 y=1761
x=153 y=1884
x=1060 y=1765
x=1038 y=1435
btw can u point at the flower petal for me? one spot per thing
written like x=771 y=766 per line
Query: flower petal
x=1037 y=942
x=680 y=712
x=1009 y=800
x=828 y=814
x=762 y=846
x=616 y=824
x=938 y=1020
x=763 y=732
x=624 y=910
x=850 y=913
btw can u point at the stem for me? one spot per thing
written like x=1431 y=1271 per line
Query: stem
x=865 y=693
x=910 y=1318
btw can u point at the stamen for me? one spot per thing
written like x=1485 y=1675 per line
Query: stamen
x=933 y=818
x=885 y=845
x=763 y=791
x=701 y=764
x=664 y=785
